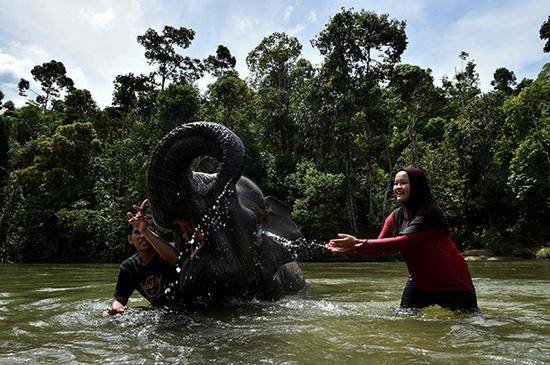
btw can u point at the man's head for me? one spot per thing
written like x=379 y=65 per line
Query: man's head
x=136 y=239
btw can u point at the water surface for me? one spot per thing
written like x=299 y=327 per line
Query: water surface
x=52 y=314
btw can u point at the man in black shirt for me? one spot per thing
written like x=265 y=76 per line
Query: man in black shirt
x=150 y=270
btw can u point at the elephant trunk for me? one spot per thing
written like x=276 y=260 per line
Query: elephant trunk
x=175 y=190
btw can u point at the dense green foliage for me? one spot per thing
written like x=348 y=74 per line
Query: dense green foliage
x=326 y=140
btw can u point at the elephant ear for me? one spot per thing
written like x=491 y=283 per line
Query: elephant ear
x=277 y=234
x=278 y=220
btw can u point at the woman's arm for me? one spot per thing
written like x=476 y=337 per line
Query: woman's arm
x=392 y=244
x=348 y=243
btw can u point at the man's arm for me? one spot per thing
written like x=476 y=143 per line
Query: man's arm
x=139 y=221
x=165 y=249
x=123 y=290
x=115 y=308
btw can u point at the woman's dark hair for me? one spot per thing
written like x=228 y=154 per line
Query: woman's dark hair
x=420 y=211
x=420 y=194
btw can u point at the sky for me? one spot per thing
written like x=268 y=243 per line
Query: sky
x=96 y=39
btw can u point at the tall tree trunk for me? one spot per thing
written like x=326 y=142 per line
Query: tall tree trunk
x=388 y=184
x=414 y=144
x=46 y=99
x=369 y=188
x=350 y=199
x=163 y=80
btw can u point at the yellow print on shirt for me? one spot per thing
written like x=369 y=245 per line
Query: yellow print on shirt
x=152 y=287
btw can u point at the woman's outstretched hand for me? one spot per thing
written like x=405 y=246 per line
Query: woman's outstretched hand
x=345 y=243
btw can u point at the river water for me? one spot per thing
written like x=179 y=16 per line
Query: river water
x=52 y=314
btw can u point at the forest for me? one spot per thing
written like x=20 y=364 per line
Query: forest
x=325 y=139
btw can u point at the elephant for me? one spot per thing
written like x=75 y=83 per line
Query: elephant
x=244 y=254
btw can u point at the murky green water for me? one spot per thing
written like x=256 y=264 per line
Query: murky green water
x=52 y=314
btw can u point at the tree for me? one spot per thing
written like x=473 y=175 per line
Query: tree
x=28 y=123
x=221 y=63
x=525 y=82
x=272 y=61
x=272 y=64
x=528 y=111
x=545 y=34
x=230 y=101
x=178 y=104
x=1 y=97
x=4 y=148
x=134 y=91
x=503 y=80
x=418 y=98
x=23 y=86
x=9 y=106
x=57 y=178
x=318 y=207
x=465 y=172
x=360 y=50
x=160 y=50
x=52 y=77
x=465 y=84
x=360 y=44
x=78 y=106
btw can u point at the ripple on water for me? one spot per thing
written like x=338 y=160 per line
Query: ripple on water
x=4 y=304
x=53 y=290
x=46 y=304
x=333 y=281
x=39 y=324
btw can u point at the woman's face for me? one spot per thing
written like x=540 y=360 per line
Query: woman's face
x=401 y=187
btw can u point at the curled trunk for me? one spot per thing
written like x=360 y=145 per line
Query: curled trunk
x=175 y=190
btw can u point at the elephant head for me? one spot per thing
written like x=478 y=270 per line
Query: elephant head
x=243 y=254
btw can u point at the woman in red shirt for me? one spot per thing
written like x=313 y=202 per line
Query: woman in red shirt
x=438 y=273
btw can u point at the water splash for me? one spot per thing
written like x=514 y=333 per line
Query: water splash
x=213 y=220
x=294 y=247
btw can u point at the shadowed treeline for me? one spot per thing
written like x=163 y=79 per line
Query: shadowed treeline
x=325 y=139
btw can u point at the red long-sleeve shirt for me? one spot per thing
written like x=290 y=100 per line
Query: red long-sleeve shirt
x=434 y=262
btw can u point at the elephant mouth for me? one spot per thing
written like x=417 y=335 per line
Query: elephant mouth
x=194 y=238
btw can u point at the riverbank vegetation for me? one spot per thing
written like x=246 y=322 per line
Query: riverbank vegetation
x=326 y=139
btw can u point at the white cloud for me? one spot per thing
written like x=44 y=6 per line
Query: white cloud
x=13 y=66
x=296 y=30
x=95 y=42
x=16 y=62
x=288 y=12
x=77 y=75
x=242 y=23
x=503 y=36
x=312 y=18
x=506 y=36
x=98 y=20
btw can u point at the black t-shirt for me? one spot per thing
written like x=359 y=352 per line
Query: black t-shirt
x=149 y=280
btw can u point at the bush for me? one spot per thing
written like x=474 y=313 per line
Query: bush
x=319 y=210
